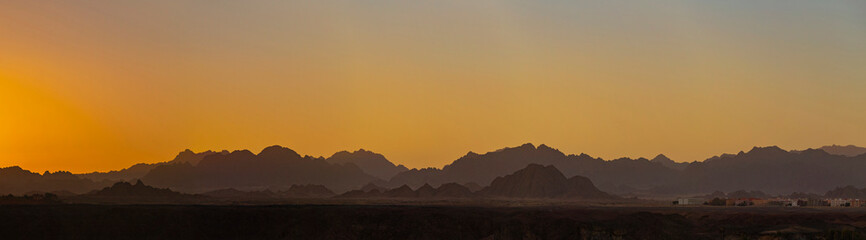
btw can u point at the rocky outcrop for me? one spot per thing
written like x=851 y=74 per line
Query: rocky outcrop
x=537 y=181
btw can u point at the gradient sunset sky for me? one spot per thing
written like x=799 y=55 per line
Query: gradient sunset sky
x=101 y=85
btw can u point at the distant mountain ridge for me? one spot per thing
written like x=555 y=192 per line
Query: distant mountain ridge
x=773 y=170
x=847 y=192
x=275 y=168
x=372 y=163
x=849 y=150
x=18 y=181
x=138 y=171
x=14 y=180
x=769 y=169
x=193 y=158
x=483 y=168
x=667 y=162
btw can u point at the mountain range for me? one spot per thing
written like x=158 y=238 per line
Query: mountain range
x=275 y=168
x=14 y=180
x=532 y=182
x=483 y=168
x=767 y=169
x=849 y=150
x=139 y=170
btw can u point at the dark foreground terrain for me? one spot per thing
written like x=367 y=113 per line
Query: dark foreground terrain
x=423 y=222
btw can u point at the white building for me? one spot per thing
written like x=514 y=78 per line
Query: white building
x=839 y=202
x=691 y=201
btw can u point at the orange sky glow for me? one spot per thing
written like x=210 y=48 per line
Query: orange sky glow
x=101 y=85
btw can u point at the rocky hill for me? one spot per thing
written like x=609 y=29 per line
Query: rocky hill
x=537 y=181
x=127 y=193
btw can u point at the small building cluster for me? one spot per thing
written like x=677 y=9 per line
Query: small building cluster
x=690 y=201
x=781 y=202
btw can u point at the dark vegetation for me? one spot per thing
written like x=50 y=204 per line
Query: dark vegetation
x=446 y=191
x=295 y=191
x=34 y=199
x=418 y=222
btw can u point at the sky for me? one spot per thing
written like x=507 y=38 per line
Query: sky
x=100 y=85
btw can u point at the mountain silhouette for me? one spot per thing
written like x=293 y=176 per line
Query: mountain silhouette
x=849 y=150
x=275 y=167
x=401 y=192
x=372 y=163
x=425 y=191
x=133 y=172
x=483 y=168
x=847 y=192
x=418 y=177
x=128 y=193
x=537 y=181
x=772 y=170
x=138 y=171
x=126 y=189
x=667 y=162
x=768 y=169
x=193 y=158
x=14 y=180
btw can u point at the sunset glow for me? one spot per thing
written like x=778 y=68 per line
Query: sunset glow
x=101 y=85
